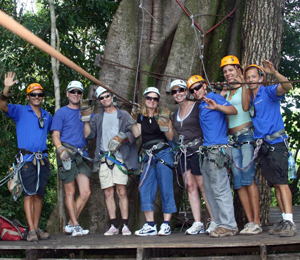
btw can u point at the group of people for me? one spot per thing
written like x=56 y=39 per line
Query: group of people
x=204 y=151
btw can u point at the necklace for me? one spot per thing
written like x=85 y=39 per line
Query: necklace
x=150 y=121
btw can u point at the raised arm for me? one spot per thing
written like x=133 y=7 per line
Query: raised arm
x=5 y=95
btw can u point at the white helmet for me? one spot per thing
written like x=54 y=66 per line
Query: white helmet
x=151 y=89
x=75 y=85
x=100 y=90
x=178 y=82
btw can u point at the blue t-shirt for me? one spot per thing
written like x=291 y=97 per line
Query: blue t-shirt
x=29 y=134
x=213 y=122
x=268 y=119
x=67 y=121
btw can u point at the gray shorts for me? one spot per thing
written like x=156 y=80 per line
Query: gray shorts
x=79 y=165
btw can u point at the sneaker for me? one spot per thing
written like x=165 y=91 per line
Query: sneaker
x=196 y=228
x=77 y=231
x=112 y=231
x=251 y=229
x=69 y=229
x=289 y=229
x=210 y=226
x=126 y=231
x=165 y=230
x=32 y=236
x=146 y=230
x=42 y=234
x=223 y=232
x=277 y=229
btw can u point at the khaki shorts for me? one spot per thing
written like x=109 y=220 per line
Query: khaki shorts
x=79 y=165
x=109 y=177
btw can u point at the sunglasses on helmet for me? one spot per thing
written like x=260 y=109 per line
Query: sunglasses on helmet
x=192 y=90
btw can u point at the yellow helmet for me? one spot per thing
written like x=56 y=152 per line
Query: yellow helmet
x=261 y=71
x=229 y=60
x=32 y=87
x=192 y=80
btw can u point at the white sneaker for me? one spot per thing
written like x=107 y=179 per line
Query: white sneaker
x=146 y=230
x=196 y=228
x=77 y=231
x=112 y=231
x=165 y=230
x=126 y=231
x=211 y=226
x=69 y=230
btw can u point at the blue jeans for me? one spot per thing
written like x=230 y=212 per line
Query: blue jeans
x=162 y=175
x=242 y=154
x=218 y=192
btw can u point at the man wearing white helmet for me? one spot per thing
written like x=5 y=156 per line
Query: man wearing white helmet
x=72 y=164
x=115 y=153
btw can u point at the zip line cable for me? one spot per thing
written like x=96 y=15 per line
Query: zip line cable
x=16 y=28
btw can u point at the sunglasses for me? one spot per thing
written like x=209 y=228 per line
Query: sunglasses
x=180 y=90
x=36 y=94
x=106 y=96
x=192 y=90
x=79 y=92
x=156 y=99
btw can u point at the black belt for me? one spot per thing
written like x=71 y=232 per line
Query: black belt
x=25 y=151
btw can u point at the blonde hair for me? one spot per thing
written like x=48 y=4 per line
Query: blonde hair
x=144 y=108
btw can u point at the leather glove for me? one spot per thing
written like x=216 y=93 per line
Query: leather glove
x=86 y=110
x=116 y=142
x=136 y=110
x=64 y=153
x=164 y=119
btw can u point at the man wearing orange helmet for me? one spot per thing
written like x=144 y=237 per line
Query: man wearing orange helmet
x=264 y=107
x=32 y=125
x=216 y=153
x=241 y=131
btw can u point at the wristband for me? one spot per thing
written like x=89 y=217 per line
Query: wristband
x=58 y=146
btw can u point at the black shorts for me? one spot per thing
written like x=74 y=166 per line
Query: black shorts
x=273 y=160
x=30 y=177
x=192 y=163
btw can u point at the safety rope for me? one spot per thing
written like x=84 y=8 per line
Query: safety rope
x=16 y=28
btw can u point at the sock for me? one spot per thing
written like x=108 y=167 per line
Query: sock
x=124 y=222
x=167 y=222
x=289 y=216
x=113 y=221
x=151 y=223
x=283 y=216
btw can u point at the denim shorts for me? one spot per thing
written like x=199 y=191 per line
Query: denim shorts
x=242 y=154
x=158 y=174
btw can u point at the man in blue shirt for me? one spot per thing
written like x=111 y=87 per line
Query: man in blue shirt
x=264 y=108
x=69 y=140
x=32 y=125
x=212 y=112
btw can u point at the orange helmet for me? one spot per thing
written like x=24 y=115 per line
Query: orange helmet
x=261 y=71
x=32 y=87
x=229 y=60
x=192 y=80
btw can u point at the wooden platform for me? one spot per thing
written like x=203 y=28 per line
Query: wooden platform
x=175 y=246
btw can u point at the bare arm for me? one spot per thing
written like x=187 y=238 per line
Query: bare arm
x=283 y=87
x=87 y=129
x=56 y=138
x=212 y=105
x=136 y=130
x=8 y=82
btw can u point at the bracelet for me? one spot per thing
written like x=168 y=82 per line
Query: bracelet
x=58 y=146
